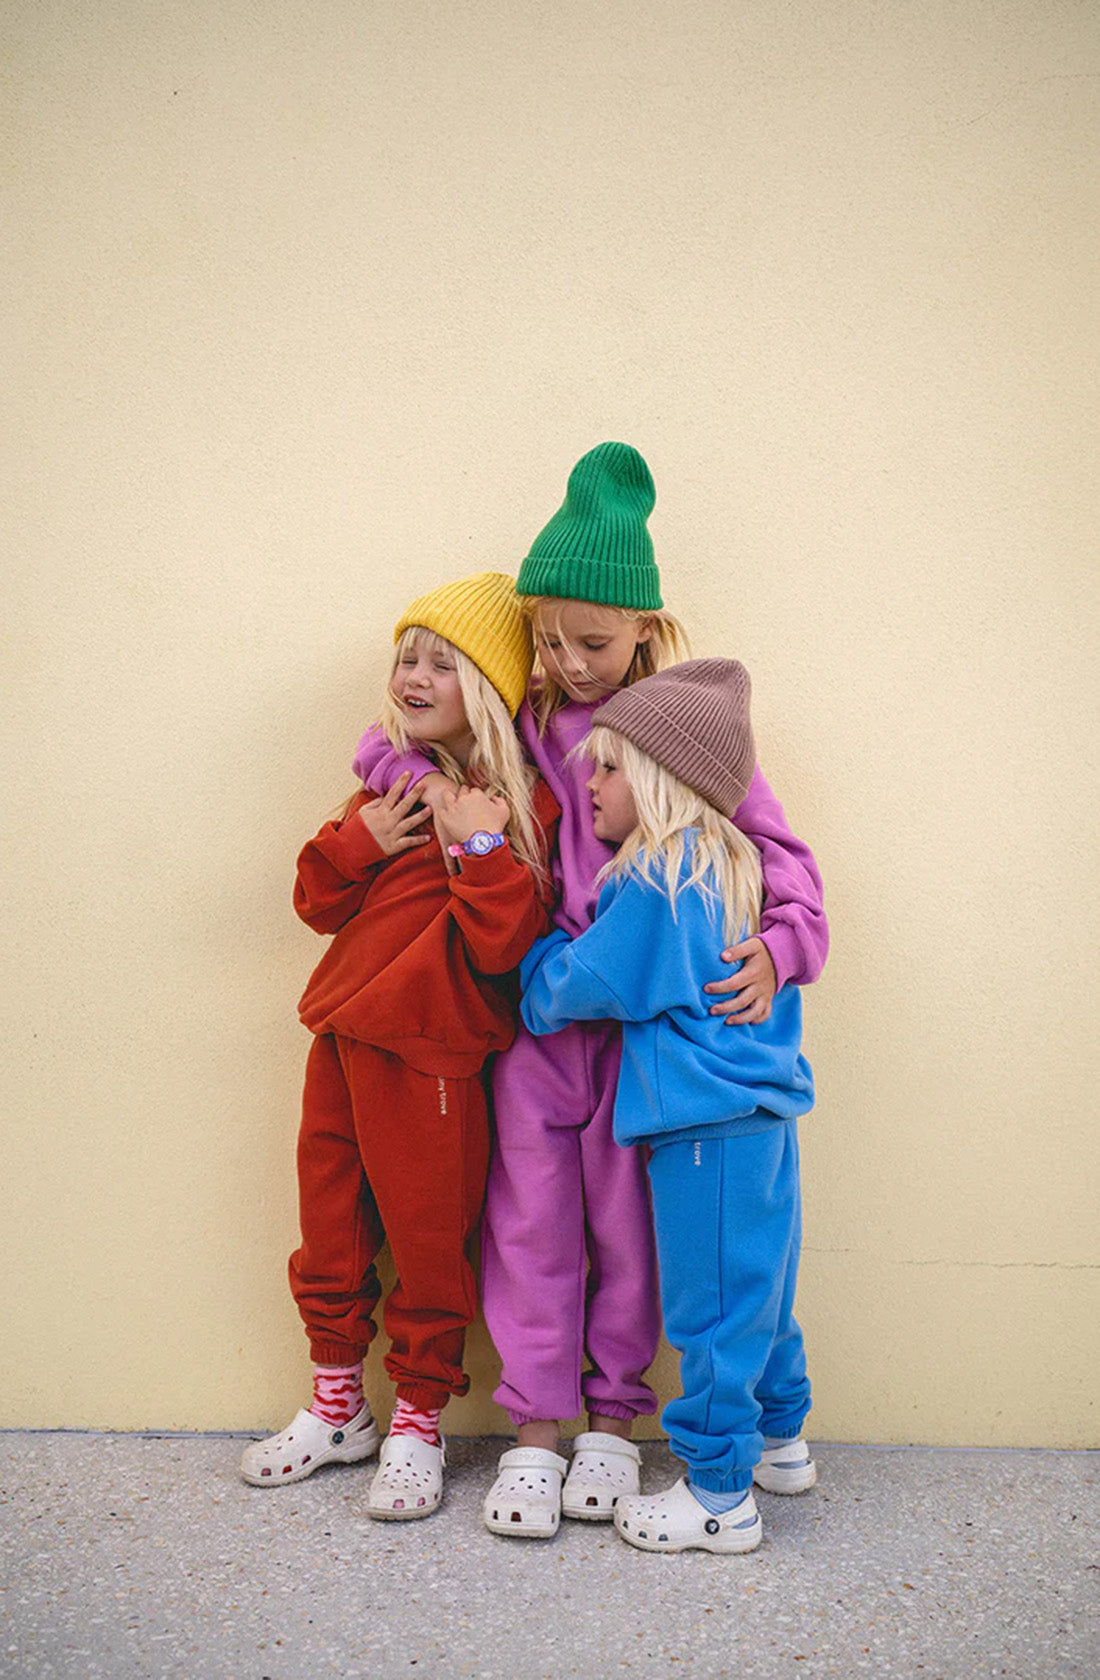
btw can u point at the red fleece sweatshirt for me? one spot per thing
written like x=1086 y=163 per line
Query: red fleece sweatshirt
x=422 y=962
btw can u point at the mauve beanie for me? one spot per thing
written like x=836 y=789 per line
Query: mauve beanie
x=597 y=547
x=693 y=719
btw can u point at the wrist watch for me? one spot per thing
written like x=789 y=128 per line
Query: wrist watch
x=477 y=845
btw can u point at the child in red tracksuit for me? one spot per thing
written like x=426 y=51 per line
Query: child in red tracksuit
x=415 y=991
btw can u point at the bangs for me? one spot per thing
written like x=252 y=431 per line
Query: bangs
x=416 y=636
x=602 y=746
x=545 y=609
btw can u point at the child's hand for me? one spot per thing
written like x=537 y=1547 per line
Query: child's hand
x=462 y=811
x=392 y=818
x=434 y=788
x=750 y=990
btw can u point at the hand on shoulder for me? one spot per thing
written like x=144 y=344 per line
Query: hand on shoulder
x=750 y=991
x=391 y=818
x=463 y=811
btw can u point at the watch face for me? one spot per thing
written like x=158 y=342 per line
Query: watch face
x=480 y=843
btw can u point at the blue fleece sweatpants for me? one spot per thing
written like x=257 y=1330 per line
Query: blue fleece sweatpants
x=728 y=1217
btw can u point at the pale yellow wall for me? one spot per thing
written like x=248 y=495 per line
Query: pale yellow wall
x=315 y=306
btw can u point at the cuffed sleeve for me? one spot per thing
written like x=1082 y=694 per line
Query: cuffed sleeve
x=600 y=975
x=377 y=763
x=793 y=924
x=497 y=908
x=334 y=871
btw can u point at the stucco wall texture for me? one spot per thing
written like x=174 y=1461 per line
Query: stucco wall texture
x=312 y=308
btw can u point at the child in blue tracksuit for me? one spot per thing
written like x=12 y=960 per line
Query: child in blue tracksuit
x=718 y=1108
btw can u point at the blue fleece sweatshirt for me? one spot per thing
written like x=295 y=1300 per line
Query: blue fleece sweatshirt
x=683 y=1069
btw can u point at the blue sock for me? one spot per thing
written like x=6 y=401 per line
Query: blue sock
x=787 y=1441
x=717 y=1503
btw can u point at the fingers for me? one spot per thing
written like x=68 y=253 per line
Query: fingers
x=392 y=817
x=496 y=808
x=404 y=801
x=751 y=1017
x=400 y=797
x=747 y=1010
x=755 y=975
x=413 y=820
x=743 y=997
x=729 y=1006
x=393 y=796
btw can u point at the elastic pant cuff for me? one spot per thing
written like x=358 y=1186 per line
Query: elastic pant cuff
x=786 y=1427
x=721 y=1481
x=614 y=1409
x=336 y=1353
x=426 y=1397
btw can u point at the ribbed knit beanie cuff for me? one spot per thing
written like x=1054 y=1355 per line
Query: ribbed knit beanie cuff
x=694 y=720
x=597 y=547
x=482 y=616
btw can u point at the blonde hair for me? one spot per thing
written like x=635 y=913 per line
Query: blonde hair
x=496 y=762
x=725 y=865
x=667 y=645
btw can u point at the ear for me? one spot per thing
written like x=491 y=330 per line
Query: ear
x=644 y=630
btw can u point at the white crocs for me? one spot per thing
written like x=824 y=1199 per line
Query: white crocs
x=604 y=1468
x=787 y=1468
x=525 y=1499
x=409 y=1480
x=304 y=1445
x=676 y=1522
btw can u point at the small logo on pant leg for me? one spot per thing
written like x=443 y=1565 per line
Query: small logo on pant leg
x=697 y=1159
x=442 y=1097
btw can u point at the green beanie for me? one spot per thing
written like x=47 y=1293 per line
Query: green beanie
x=597 y=547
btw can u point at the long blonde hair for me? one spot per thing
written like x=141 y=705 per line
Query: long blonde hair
x=667 y=645
x=496 y=762
x=725 y=865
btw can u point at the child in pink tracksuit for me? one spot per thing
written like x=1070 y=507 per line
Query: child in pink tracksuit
x=569 y=1269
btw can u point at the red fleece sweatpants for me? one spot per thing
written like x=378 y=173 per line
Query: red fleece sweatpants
x=387 y=1152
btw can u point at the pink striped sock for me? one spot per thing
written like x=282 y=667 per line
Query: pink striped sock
x=409 y=1420
x=337 y=1393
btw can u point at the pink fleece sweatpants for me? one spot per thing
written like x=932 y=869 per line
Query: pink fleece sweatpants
x=568 y=1261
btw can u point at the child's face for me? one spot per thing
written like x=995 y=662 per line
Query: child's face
x=615 y=814
x=426 y=687
x=587 y=648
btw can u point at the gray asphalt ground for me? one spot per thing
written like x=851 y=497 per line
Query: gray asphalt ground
x=146 y=1556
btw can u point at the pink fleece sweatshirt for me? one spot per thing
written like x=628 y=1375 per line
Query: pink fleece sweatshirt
x=793 y=924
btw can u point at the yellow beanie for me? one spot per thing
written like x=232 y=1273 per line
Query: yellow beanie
x=482 y=616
